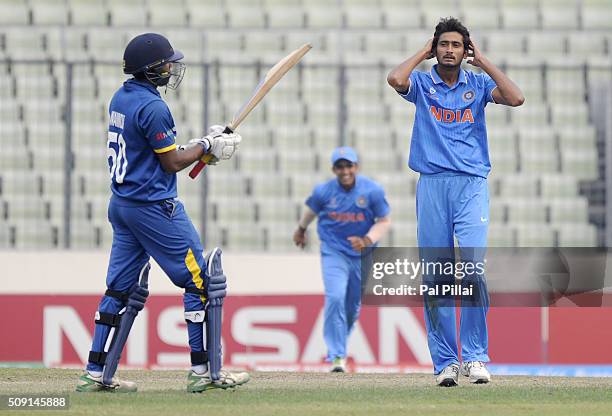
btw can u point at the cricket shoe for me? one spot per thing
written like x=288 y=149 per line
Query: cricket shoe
x=476 y=371
x=449 y=377
x=338 y=365
x=197 y=383
x=89 y=383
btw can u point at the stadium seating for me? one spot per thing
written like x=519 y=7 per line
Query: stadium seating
x=523 y=17
x=502 y=236
x=49 y=12
x=542 y=153
x=14 y=13
x=88 y=12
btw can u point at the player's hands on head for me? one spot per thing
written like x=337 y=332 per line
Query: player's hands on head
x=474 y=56
x=359 y=243
x=427 y=49
x=299 y=237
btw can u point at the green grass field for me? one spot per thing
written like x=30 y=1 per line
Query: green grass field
x=162 y=393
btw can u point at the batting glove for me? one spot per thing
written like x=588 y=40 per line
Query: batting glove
x=221 y=146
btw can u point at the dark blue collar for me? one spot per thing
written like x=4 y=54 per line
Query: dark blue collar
x=145 y=84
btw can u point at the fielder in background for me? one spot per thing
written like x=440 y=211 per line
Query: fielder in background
x=352 y=214
x=148 y=220
x=449 y=149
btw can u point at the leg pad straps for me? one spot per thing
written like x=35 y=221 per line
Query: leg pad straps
x=199 y=357
x=109 y=319
x=122 y=296
x=97 y=357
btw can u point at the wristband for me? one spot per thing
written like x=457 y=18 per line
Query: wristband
x=205 y=144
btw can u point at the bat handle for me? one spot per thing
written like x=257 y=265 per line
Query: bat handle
x=195 y=171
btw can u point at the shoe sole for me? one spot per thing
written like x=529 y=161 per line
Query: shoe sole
x=448 y=382
x=476 y=380
x=104 y=389
x=479 y=381
x=338 y=370
x=214 y=387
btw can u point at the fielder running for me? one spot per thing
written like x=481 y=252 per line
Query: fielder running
x=148 y=220
x=352 y=214
x=449 y=149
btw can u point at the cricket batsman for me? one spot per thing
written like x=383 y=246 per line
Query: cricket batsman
x=353 y=214
x=449 y=150
x=148 y=220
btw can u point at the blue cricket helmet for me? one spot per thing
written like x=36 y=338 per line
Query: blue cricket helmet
x=147 y=51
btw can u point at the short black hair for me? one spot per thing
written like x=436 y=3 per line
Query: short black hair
x=450 y=24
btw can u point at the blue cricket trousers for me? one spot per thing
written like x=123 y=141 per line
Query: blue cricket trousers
x=342 y=281
x=453 y=205
x=161 y=230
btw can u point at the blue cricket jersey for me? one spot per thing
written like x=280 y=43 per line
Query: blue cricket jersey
x=449 y=132
x=343 y=214
x=140 y=126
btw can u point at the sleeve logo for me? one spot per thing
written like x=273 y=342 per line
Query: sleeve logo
x=165 y=134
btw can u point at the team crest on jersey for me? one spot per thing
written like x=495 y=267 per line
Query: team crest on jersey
x=362 y=202
x=468 y=95
x=432 y=90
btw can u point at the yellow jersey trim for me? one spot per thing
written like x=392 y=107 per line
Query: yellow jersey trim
x=165 y=149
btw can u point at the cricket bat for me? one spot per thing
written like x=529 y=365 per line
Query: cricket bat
x=267 y=82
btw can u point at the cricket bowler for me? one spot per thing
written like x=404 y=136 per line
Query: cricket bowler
x=449 y=150
x=353 y=214
x=149 y=221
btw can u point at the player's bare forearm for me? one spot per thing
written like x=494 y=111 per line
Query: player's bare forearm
x=507 y=92
x=399 y=77
x=379 y=229
x=184 y=156
x=299 y=236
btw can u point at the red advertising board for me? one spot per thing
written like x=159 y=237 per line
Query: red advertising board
x=287 y=330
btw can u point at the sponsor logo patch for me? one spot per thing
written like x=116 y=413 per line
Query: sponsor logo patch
x=165 y=134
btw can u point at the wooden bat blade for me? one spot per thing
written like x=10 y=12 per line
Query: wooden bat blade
x=273 y=75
